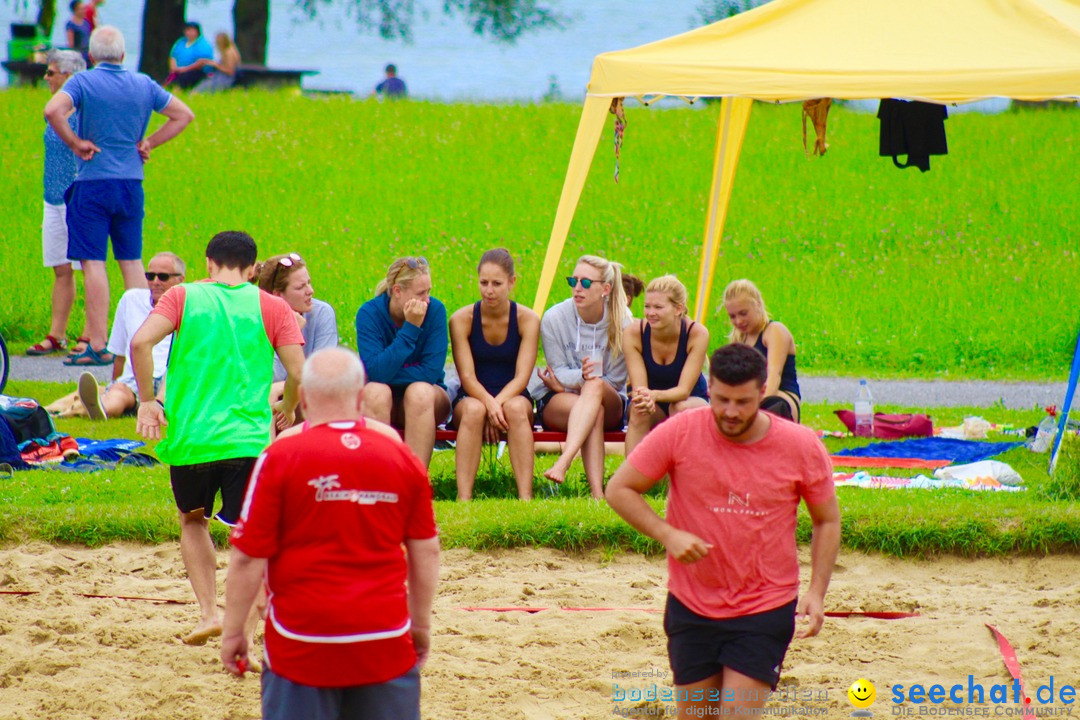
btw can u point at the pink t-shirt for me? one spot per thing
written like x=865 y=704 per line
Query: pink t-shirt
x=743 y=500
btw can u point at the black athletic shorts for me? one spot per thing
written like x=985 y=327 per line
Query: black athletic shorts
x=197 y=486
x=754 y=645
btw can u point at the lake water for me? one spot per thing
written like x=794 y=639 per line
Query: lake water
x=445 y=61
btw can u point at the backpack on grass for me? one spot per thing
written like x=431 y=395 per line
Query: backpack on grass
x=888 y=427
x=26 y=418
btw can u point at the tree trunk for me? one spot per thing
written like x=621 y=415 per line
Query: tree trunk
x=251 y=19
x=47 y=16
x=163 y=23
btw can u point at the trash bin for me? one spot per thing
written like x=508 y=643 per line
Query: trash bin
x=27 y=44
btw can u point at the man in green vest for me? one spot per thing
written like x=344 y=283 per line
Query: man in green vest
x=226 y=332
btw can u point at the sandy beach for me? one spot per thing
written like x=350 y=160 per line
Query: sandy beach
x=64 y=655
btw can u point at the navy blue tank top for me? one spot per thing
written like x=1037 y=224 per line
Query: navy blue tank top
x=495 y=364
x=665 y=377
x=789 y=381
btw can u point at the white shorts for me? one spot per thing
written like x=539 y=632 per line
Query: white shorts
x=54 y=237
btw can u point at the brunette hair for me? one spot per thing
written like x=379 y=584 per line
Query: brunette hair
x=500 y=257
x=272 y=276
x=736 y=364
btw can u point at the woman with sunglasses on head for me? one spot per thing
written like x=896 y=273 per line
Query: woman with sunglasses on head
x=750 y=325
x=494 y=343
x=586 y=369
x=287 y=277
x=401 y=336
x=665 y=354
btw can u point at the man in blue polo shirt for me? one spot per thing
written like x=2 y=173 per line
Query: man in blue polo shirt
x=106 y=199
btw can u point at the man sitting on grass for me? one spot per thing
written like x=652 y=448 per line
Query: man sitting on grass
x=165 y=270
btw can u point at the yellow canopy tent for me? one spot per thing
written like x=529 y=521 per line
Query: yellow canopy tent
x=942 y=51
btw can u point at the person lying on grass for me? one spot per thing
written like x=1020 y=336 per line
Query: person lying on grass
x=287 y=277
x=401 y=336
x=665 y=354
x=586 y=371
x=494 y=342
x=750 y=325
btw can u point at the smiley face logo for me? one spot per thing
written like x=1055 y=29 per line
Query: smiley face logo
x=862 y=694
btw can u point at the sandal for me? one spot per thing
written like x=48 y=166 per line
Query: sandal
x=90 y=356
x=54 y=345
x=81 y=343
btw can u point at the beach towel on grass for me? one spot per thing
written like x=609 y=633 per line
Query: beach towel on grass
x=936 y=448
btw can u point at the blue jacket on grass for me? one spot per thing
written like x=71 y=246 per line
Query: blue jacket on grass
x=399 y=356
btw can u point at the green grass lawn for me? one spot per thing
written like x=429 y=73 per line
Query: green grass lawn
x=965 y=271
x=136 y=504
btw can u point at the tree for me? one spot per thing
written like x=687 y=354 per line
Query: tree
x=163 y=23
x=47 y=16
x=251 y=19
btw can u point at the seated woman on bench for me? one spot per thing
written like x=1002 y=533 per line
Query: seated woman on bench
x=494 y=342
x=287 y=277
x=586 y=369
x=401 y=336
x=665 y=354
x=750 y=325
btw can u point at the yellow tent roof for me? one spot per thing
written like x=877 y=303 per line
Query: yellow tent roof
x=934 y=50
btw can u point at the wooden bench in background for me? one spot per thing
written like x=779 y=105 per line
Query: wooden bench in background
x=26 y=73
x=262 y=76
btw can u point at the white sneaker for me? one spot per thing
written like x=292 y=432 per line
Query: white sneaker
x=90 y=394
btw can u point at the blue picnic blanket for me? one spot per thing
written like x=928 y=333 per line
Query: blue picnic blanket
x=108 y=450
x=957 y=451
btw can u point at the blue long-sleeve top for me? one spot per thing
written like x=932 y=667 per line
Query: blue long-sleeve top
x=401 y=355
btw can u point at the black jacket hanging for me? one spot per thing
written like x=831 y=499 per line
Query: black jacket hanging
x=912 y=128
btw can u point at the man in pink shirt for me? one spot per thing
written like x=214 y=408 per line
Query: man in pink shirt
x=737 y=477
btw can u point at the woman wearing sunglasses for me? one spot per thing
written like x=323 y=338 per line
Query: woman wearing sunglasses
x=494 y=343
x=586 y=369
x=401 y=336
x=665 y=354
x=287 y=277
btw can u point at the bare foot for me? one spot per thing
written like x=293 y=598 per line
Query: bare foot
x=556 y=473
x=202 y=632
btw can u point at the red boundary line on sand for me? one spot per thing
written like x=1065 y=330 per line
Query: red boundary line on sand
x=1013 y=665
x=105 y=597
x=534 y=609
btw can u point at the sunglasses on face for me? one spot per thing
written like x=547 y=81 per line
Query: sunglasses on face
x=585 y=282
x=163 y=277
x=52 y=73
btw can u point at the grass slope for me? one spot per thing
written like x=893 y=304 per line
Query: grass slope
x=963 y=272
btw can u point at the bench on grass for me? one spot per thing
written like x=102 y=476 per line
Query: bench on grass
x=539 y=436
x=262 y=76
x=23 y=72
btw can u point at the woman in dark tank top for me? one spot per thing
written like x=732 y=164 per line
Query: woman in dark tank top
x=665 y=354
x=750 y=325
x=494 y=342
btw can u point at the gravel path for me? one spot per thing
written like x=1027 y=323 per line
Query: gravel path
x=915 y=393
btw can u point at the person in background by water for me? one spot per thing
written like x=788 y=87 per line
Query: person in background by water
x=494 y=342
x=78 y=30
x=91 y=13
x=401 y=336
x=287 y=277
x=224 y=75
x=665 y=354
x=59 y=174
x=750 y=325
x=586 y=372
x=189 y=58
x=393 y=87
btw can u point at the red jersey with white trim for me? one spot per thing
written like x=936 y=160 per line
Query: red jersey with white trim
x=330 y=509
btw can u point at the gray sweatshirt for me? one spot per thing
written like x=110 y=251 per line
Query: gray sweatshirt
x=567 y=340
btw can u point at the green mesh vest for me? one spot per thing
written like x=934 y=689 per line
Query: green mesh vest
x=217 y=387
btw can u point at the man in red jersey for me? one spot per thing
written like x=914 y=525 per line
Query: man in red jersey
x=737 y=477
x=326 y=514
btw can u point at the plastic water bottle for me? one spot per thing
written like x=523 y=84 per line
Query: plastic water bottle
x=864 y=411
x=1044 y=436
